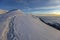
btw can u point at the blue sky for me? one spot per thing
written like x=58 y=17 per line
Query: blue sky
x=32 y=6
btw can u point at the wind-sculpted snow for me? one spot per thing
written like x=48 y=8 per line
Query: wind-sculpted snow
x=53 y=21
x=30 y=28
x=4 y=22
x=11 y=35
x=18 y=26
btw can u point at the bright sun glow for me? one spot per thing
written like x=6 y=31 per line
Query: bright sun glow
x=56 y=12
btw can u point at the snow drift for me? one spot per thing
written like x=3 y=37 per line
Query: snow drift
x=15 y=25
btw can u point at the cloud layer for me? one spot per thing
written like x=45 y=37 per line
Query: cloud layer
x=31 y=5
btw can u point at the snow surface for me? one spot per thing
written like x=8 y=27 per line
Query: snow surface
x=18 y=26
x=53 y=21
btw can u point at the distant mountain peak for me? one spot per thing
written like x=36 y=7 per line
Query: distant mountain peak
x=15 y=12
x=3 y=11
x=14 y=9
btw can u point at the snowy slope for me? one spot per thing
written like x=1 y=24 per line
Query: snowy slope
x=5 y=19
x=53 y=21
x=27 y=27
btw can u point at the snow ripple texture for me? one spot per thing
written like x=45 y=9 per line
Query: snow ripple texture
x=11 y=34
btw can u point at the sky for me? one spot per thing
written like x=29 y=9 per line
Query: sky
x=32 y=6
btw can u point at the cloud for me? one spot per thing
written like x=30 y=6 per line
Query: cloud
x=43 y=8
x=54 y=12
x=25 y=3
x=46 y=12
x=48 y=7
x=54 y=2
x=31 y=5
x=36 y=12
